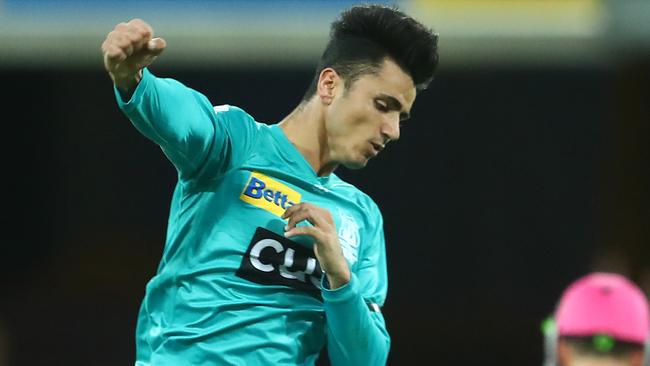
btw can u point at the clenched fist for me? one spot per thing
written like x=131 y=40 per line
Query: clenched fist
x=127 y=49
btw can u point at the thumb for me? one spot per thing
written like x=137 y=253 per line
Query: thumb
x=156 y=46
x=316 y=251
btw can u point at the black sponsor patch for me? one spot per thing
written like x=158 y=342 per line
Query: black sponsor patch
x=272 y=259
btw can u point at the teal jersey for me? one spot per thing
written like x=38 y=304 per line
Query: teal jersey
x=230 y=288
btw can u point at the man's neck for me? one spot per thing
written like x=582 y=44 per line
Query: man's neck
x=305 y=129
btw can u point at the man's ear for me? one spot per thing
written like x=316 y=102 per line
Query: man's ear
x=636 y=358
x=329 y=82
x=564 y=353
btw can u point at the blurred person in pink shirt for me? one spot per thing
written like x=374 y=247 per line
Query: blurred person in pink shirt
x=602 y=319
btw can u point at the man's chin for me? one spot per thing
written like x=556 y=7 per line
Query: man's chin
x=354 y=165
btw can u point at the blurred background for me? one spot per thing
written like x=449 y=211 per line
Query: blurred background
x=524 y=166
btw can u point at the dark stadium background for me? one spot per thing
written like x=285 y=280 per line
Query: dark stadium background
x=508 y=182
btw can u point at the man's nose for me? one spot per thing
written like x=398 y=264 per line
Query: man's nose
x=390 y=129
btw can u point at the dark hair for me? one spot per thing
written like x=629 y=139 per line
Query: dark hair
x=587 y=346
x=363 y=36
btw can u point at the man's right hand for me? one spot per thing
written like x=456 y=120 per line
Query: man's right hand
x=127 y=50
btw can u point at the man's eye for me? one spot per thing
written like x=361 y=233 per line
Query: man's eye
x=381 y=106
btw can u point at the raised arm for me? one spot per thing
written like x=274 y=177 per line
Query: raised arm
x=201 y=141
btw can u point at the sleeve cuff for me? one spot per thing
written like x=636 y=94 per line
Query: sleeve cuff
x=341 y=294
x=138 y=93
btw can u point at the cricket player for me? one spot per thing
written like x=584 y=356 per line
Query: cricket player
x=602 y=319
x=269 y=255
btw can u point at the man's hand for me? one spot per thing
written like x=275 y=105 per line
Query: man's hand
x=127 y=49
x=326 y=247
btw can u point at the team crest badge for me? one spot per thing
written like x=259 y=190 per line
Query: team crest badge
x=349 y=236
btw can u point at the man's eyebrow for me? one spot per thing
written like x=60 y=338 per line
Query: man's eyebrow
x=393 y=104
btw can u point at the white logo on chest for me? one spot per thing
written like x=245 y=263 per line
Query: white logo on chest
x=349 y=237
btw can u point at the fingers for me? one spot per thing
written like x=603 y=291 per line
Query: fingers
x=113 y=53
x=305 y=211
x=293 y=213
x=297 y=217
x=152 y=49
x=129 y=39
x=305 y=230
x=289 y=211
x=156 y=46
x=135 y=34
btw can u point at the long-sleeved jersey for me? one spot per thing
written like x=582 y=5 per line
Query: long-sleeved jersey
x=230 y=288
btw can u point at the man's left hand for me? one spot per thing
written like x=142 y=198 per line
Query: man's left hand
x=326 y=241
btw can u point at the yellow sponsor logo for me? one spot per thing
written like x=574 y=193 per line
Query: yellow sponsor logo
x=269 y=194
